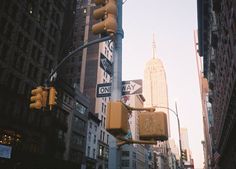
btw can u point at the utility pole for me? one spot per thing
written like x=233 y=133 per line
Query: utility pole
x=180 y=144
x=116 y=86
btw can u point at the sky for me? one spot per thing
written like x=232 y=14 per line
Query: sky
x=173 y=23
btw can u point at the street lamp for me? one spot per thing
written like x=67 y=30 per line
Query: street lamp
x=177 y=116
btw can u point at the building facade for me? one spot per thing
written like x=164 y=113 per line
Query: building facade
x=30 y=46
x=84 y=71
x=92 y=141
x=71 y=114
x=216 y=32
x=206 y=109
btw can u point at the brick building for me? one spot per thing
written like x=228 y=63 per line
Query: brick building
x=216 y=31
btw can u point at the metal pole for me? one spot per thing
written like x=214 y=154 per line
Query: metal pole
x=75 y=51
x=116 y=86
x=180 y=144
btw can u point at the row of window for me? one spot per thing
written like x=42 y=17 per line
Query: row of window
x=94 y=138
x=94 y=152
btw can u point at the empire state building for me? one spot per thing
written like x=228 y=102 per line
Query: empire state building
x=155 y=85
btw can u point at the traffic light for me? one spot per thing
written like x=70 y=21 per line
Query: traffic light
x=117 y=118
x=153 y=126
x=52 y=97
x=107 y=13
x=45 y=98
x=36 y=98
x=184 y=155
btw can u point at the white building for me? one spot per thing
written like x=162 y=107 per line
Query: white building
x=185 y=146
x=93 y=131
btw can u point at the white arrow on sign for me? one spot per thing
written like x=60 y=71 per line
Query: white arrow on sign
x=131 y=87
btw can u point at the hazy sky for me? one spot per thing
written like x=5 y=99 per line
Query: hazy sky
x=173 y=23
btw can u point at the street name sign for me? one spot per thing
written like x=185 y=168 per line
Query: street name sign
x=105 y=64
x=128 y=88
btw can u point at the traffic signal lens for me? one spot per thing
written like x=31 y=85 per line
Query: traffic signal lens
x=36 y=98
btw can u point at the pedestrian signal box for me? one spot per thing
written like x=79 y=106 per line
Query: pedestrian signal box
x=153 y=126
x=117 y=118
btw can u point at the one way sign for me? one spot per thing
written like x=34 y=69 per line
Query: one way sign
x=128 y=88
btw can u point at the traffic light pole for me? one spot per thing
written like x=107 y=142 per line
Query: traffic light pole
x=177 y=116
x=116 y=86
x=180 y=144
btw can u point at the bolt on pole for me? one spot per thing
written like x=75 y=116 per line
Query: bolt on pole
x=116 y=86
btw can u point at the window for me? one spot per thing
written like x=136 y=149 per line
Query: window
x=80 y=108
x=79 y=123
x=77 y=139
x=107 y=139
x=102 y=120
x=101 y=135
x=89 y=136
x=94 y=139
x=125 y=163
x=125 y=153
x=101 y=150
x=88 y=151
x=94 y=153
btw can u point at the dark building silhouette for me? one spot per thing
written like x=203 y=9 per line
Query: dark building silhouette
x=216 y=31
x=34 y=36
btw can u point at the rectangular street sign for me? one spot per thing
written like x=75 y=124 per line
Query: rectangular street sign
x=128 y=88
x=5 y=151
x=106 y=64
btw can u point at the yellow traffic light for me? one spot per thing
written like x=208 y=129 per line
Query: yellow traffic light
x=52 y=97
x=117 y=118
x=36 y=98
x=108 y=16
x=153 y=126
x=44 y=98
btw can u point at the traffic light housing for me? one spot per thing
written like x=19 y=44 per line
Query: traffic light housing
x=107 y=13
x=44 y=98
x=117 y=118
x=52 y=97
x=153 y=126
x=184 y=155
x=36 y=98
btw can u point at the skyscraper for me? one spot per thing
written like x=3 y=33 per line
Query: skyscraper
x=155 y=84
x=156 y=95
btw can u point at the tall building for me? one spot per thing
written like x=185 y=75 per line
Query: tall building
x=206 y=109
x=31 y=43
x=185 y=147
x=155 y=85
x=216 y=35
x=83 y=70
x=156 y=94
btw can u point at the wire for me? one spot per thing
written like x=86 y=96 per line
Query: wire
x=124 y=1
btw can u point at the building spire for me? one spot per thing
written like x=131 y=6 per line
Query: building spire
x=154 y=47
